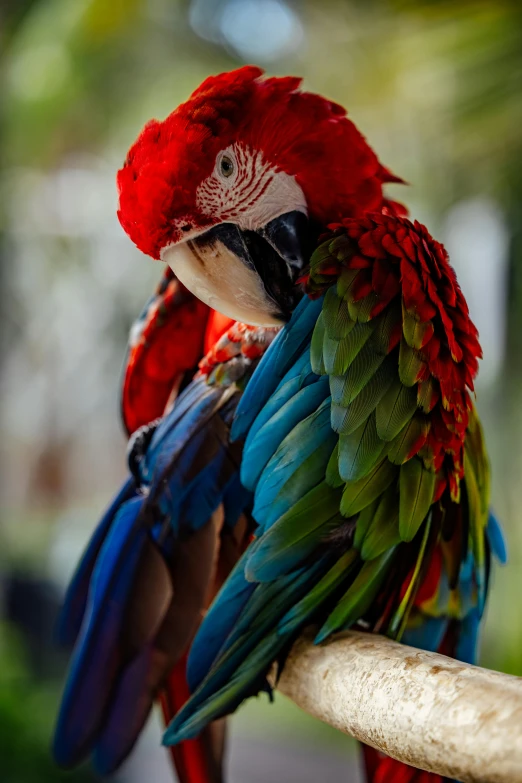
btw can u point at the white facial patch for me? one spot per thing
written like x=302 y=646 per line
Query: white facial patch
x=244 y=189
x=220 y=279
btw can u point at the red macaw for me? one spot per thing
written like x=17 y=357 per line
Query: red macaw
x=324 y=465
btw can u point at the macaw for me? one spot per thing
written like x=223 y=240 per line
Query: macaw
x=324 y=465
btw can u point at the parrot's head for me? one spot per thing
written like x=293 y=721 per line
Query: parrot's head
x=231 y=189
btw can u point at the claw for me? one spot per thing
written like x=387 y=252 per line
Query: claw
x=139 y=442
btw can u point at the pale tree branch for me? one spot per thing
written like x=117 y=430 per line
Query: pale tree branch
x=421 y=708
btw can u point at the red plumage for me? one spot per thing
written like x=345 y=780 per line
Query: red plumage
x=342 y=180
x=240 y=339
x=384 y=769
x=337 y=170
x=157 y=357
x=197 y=760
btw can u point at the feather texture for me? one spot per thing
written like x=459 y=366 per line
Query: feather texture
x=358 y=507
x=364 y=464
x=137 y=596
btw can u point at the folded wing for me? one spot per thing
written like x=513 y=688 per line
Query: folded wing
x=368 y=468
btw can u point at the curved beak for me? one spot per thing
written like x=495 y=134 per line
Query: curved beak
x=248 y=275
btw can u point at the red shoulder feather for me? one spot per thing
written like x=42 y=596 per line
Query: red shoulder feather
x=395 y=257
x=167 y=341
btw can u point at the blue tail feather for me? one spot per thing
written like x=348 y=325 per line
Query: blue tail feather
x=496 y=539
x=130 y=707
x=427 y=634
x=95 y=661
x=220 y=619
x=248 y=646
x=75 y=601
x=186 y=472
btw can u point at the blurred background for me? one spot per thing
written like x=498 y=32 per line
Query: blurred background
x=436 y=88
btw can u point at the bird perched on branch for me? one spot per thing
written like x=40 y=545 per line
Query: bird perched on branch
x=323 y=466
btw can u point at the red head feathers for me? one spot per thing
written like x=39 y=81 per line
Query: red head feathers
x=302 y=134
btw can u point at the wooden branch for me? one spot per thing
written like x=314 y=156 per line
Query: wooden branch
x=422 y=708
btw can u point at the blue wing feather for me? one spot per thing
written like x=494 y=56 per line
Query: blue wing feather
x=285 y=417
x=298 y=376
x=468 y=637
x=195 y=405
x=236 y=499
x=427 y=634
x=263 y=446
x=282 y=484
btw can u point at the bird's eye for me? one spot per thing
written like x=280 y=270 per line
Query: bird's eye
x=226 y=166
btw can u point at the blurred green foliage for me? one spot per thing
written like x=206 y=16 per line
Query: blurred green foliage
x=26 y=719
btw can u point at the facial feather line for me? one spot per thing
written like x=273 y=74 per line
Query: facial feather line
x=256 y=193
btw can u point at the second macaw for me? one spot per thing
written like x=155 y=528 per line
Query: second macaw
x=323 y=466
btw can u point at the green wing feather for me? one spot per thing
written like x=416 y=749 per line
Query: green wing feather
x=349 y=414
x=358 y=494
x=359 y=595
x=395 y=409
x=382 y=532
x=416 y=488
x=296 y=534
x=415 y=430
x=374 y=365
x=359 y=450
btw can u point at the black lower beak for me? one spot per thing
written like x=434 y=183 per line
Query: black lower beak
x=288 y=236
x=277 y=253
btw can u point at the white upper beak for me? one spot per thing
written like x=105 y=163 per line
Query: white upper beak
x=221 y=279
